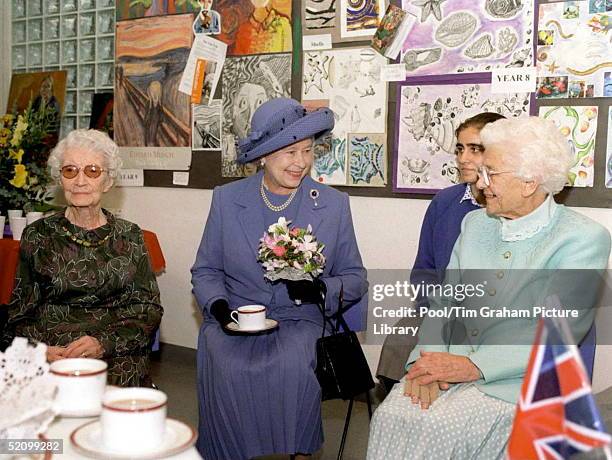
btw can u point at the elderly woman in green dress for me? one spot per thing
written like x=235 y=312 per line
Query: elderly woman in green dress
x=84 y=284
x=458 y=397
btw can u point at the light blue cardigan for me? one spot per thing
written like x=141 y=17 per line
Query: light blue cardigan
x=552 y=237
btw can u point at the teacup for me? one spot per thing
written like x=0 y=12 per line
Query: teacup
x=250 y=317
x=81 y=383
x=133 y=419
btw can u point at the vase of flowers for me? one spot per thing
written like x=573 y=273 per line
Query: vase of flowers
x=25 y=142
x=290 y=253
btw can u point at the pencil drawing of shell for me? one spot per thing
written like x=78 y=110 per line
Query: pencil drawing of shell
x=481 y=48
x=503 y=9
x=506 y=40
x=416 y=165
x=443 y=134
x=456 y=29
x=417 y=120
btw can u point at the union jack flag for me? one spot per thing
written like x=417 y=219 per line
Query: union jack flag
x=556 y=416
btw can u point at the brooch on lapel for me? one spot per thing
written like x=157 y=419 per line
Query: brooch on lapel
x=314 y=194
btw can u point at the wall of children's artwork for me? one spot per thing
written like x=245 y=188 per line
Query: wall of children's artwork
x=392 y=138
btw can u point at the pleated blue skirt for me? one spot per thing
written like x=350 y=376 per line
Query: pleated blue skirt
x=258 y=394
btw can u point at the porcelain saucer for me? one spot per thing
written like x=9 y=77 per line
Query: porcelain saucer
x=270 y=324
x=87 y=440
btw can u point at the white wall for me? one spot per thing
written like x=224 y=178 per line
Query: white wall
x=387 y=231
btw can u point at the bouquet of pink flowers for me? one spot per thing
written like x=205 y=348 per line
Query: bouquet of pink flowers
x=290 y=253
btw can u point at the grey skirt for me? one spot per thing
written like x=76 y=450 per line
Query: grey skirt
x=463 y=423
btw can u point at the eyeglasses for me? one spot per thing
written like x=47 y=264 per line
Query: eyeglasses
x=71 y=171
x=487 y=174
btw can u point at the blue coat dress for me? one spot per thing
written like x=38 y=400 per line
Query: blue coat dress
x=258 y=394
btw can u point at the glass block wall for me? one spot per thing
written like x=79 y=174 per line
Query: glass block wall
x=73 y=35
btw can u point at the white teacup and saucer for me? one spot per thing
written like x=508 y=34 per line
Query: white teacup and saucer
x=133 y=425
x=251 y=319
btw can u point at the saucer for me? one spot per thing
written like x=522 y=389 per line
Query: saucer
x=270 y=324
x=87 y=440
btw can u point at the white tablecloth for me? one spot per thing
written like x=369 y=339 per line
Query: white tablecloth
x=63 y=427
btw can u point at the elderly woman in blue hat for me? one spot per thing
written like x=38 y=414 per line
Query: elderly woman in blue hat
x=258 y=393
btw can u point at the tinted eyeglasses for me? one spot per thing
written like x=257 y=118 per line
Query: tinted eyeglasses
x=92 y=171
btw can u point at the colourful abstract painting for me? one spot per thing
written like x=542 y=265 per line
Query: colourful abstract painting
x=255 y=26
x=579 y=125
x=428 y=118
x=248 y=82
x=151 y=54
x=574 y=43
x=133 y=9
x=349 y=79
x=360 y=18
x=464 y=36
x=367 y=159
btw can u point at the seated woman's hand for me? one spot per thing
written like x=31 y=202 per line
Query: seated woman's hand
x=306 y=291
x=444 y=367
x=84 y=347
x=55 y=353
x=423 y=394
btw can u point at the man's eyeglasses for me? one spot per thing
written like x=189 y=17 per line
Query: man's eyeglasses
x=71 y=171
x=487 y=174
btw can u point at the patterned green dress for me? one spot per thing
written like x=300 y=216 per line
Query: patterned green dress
x=73 y=282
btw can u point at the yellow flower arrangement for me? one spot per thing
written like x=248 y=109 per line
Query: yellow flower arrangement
x=24 y=148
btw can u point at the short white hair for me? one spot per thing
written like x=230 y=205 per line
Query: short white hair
x=88 y=139
x=534 y=148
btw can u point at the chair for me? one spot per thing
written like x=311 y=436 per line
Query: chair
x=9 y=258
x=158 y=265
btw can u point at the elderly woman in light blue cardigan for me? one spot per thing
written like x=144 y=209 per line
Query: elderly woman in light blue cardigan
x=458 y=397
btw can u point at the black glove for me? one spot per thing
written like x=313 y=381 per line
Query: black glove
x=306 y=291
x=221 y=312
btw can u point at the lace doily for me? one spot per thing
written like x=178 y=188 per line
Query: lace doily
x=27 y=391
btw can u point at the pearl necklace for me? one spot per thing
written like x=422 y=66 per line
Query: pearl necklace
x=273 y=207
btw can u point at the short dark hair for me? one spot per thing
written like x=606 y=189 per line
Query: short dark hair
x=478 y=121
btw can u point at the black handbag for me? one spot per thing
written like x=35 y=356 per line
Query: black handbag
x=342 y=369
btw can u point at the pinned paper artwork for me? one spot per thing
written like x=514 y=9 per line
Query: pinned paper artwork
x=133 y=9
x=577 y=46
x=207 y=126
x=463 y=36
x=151 y=54
x=319 y=16
x=349 y=79
x=360 y=18
x=255 y=26
x=208 y=21
x=248 y=82
x=367 y=159
x=579 y=126
x=609 y=153
x=428 y=118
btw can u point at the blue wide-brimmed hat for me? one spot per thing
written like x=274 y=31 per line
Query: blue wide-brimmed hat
x=279 y=123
